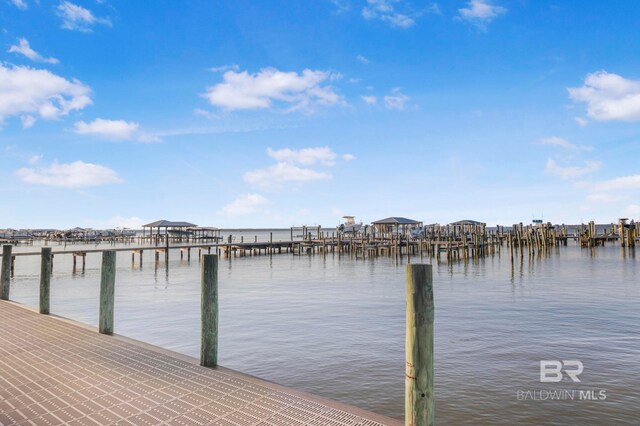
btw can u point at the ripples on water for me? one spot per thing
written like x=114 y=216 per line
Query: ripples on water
x=335 y=326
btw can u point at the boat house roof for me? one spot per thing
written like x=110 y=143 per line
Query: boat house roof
x=167 y=224
x=467 y=222
x=396 y=221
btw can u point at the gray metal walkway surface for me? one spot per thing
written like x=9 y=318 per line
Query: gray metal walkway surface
x=55 y=371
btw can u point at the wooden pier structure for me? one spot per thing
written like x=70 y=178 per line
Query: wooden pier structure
x=464 y=240
x=54 y=371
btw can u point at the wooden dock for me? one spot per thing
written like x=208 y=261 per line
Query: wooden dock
x=453 y=242
x=55 y=371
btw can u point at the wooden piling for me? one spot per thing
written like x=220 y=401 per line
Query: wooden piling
x=45 y=279
x=5 y=275
x=419 y=396
x=209 y=311
x=107 y=291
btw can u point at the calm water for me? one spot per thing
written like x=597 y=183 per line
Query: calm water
x=335 y=326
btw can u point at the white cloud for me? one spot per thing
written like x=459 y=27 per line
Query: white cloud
x=384 y=10
x=206 y=114
x=77 y=18
x=20 y=4
x=396 y=100
x=34 y=159
x=569 y=172
x=222 y=68
x=609 y=96
x=280 y=174
x=617 y=184
x=371 y=100
x=244 y=204
x=348 y=157
x=362 y=59
x=115 y=130
x=70 y=175
x=481 y=12
x=286 y=172
x=241 y=90
x=434 y=8
x=399 y=20
x=23 y=48
x=563 y=143
x=25 y=90
x=27 y=121
x=341 y=6
x=582 y=122
x=148 y=137
x=306 y=156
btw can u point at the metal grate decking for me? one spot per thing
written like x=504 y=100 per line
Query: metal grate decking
x=55 y=372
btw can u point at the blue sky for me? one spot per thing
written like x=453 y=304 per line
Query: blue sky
x=270 y=114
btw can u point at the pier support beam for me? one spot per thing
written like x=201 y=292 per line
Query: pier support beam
x=5 y=275
x=45 y=279
x=107 y=291
x=419 y=396
x=209 y=311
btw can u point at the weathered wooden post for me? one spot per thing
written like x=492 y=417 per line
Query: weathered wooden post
x=5 y=276
x=419 y=396
x=166 y=248
x=45 y=279
x=209 y=311
x=107 y=291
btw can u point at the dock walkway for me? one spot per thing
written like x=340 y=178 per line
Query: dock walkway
x=55 y=371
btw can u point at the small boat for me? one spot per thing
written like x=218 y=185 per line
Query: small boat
x=350 y=226
x=420 y=232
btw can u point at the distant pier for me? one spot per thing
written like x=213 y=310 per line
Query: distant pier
x=459 y=241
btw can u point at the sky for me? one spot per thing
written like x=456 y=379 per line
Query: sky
x=258 y=114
